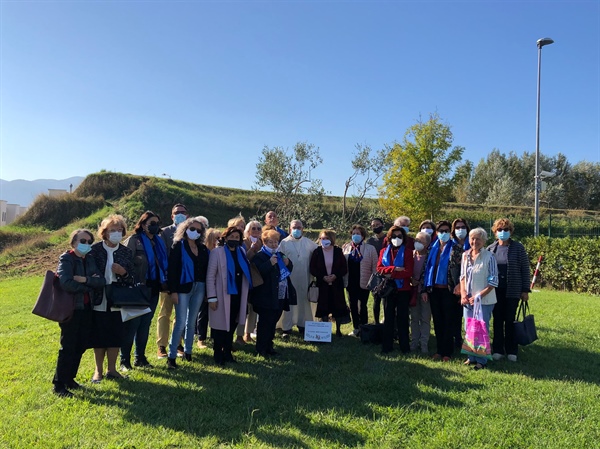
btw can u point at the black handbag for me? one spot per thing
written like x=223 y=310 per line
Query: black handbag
x=123 y=295
x=53 y=302
x=374 y=281
x=371 y=333
x=525 y=331
x=385 y=288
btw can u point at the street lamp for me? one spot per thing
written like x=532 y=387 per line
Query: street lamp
x=540 y=44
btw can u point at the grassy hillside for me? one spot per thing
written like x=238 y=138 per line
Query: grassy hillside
x=43 y=229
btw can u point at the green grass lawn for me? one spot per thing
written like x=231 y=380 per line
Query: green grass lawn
x=343 y=394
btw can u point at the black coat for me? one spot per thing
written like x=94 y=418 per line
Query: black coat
x=332 y=298
x=175 y=266
x=70 y=265
x=266 y=295
x=122 y=256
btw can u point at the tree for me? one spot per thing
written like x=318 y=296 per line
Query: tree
x=368 y=167
x=288 y=174
x=418 y=177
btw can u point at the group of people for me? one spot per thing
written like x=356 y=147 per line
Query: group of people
x=251 y=279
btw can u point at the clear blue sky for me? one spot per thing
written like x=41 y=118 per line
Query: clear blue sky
x=195 y=89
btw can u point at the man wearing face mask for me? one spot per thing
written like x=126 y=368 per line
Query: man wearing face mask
x=441 y=276
x=298 y=249
x=179 y=213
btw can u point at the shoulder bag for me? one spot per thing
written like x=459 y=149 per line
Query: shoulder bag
x=53 y=302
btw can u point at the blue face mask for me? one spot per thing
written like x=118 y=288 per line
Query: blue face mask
x=406 y=229
x=461 y=233
x=179 y=218
x=503 y=235
x=357 y=238
x=84 y=248
x=296 y=233
x=443 y=236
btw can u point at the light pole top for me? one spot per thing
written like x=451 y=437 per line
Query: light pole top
x=544 y=41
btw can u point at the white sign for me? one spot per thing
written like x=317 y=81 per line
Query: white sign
x=317 y=331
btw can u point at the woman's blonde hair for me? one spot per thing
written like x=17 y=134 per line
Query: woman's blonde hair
x=111 y=220
x=249 y=227
x=212 y=238
x=330 y=233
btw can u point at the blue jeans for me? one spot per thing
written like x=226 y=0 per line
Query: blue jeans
x=186 y=312
x=486 y=312
x=138 y=330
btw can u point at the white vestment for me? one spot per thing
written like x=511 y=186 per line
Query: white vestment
x=299 y=252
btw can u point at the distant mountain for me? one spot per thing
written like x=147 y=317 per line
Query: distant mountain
x=24 y=192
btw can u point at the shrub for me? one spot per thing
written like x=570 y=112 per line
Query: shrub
x=569 y=263
x=56 y=212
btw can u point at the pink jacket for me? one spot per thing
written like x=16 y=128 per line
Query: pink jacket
x=368 y=265
x=216 y=287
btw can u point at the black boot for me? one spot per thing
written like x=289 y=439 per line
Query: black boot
x=171 y=363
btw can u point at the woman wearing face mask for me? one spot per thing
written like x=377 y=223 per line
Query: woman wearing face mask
x=80 y=276
x=211 y=241
x=362 y=263
x=428 y=226
x=253 y=243
x=514 y=277
x=396 y=262
x=478 y=281
x=228 y=281
x=275 y=293
x=150 y=260
x=328 y=266
x=460 y=236
x=188 y=263
x=420 y=313
x=115 y=261
x=441 y=277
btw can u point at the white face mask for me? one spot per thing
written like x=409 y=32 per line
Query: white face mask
x=253 y=239
x=115 y=237
x=192 y=235
x=325 y=243
x=419 y=246
x=397 y=241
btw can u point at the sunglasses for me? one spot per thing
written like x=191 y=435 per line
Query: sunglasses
x=84 y=241
x=505 y=230
x=254 y=228
x=195 y=229
x=461 y=227
x=444 y=231
x=396 y=236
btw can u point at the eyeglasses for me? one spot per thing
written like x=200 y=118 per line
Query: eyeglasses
x=195 y=229
x=84 y=241
x=254 y=228
x=505 y=230
x=461 y=227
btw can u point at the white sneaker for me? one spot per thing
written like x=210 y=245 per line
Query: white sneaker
x=512 y=358
x=497 y=356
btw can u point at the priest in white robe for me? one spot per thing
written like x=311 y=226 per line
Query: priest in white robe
x=299 y=250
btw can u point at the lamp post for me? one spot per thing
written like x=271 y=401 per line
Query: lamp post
x=540 y=44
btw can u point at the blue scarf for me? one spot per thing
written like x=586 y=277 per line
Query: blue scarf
x=244 y=265
x=398 y=261
x=187 y=265
x=161 y=254
x=283 y=270
x=355 y=254
x=441 y=277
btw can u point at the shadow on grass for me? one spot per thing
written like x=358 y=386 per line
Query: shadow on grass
x=310 y=395
x=548 y=358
